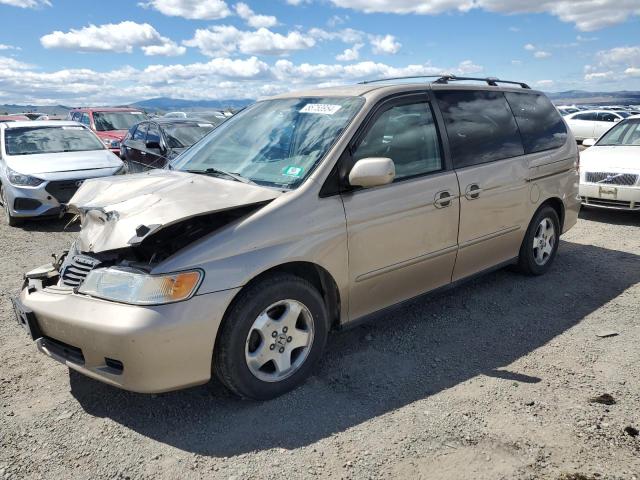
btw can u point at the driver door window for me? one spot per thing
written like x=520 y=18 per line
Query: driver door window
x=407 y=135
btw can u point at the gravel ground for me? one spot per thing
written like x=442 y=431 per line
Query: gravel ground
x=493 y=380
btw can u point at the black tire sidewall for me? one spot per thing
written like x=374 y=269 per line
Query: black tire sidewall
x=527 y=261
x=229 y=359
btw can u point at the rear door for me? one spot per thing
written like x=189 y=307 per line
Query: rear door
x=488 y=157
x=401 y=236
x=582 y=124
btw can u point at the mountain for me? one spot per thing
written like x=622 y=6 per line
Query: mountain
x=596 y=98
x=176 y=104
x=48 y=109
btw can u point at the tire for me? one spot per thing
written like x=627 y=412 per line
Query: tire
x=9 y=219
x=536 y=259
x=254 y=331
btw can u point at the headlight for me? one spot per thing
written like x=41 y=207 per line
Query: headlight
x=138 y=288
x=20 y=180
x=111 y=143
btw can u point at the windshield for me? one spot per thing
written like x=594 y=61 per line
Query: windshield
x=182 y=136
x=274 y=143
x=106 y=121
x=626 y=133
x=624 y=114
x=33 y=140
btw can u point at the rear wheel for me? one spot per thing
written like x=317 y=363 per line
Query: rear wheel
x=540 y=243
x=9 y=219
x=271 y=338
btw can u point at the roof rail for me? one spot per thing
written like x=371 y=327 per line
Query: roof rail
x=491 y=81
x=446 y=78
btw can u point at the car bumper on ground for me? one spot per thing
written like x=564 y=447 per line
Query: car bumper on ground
x=610 y=196
x=146 y=349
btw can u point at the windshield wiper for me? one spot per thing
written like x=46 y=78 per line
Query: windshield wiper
x=216 y=171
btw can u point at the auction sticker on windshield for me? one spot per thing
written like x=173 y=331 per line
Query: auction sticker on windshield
x=323 y=108
x=292 y=171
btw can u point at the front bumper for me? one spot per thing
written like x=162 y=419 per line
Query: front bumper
x=616 y=197
x=40 y=201
x=143 y=349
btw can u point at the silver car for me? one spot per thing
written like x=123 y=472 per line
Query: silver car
x=302 y=213
x=43 y=163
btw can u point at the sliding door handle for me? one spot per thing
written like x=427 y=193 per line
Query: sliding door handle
x=472 y=191
x=442 y=199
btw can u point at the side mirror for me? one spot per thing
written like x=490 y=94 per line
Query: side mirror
x=152 y=145
x=372 y=172
x=588 y=142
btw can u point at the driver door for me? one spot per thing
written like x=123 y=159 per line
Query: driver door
x=402 y=237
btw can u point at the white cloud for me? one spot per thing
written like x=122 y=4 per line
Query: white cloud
x=254 y=20
x=545 y=83
x=541 y=54
x=600 y=76
x=119 y=37
x=224 y=40
x=4 y=46
x=629 y=55
x=529 y=47
x=26 y=3
x=467 y=67
x=385 y=44
x=233 y=78
x=350 y=54
x=191 y=9
x=632 y=72
x=587 y=15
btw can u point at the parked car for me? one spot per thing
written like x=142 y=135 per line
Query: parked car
x=42 y=164
x=593 y=123
x=110 y=124
x=14 y=118
x=304 y=212
x=214 y=117
x=610 y=168
x=29 y=115
x=566 y=110
x=154 y=143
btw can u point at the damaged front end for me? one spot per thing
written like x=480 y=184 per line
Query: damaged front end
x=132 y=223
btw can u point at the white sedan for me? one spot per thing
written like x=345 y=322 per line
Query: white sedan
x=593 y=123
x=610 y=169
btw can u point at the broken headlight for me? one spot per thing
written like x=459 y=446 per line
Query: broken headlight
x=140 y=288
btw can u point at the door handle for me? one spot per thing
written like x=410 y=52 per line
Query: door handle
x=442 y=199
x=472 y=191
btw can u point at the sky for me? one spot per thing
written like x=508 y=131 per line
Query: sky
x=79 y=52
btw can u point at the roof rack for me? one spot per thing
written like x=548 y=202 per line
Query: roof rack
x=446 y=78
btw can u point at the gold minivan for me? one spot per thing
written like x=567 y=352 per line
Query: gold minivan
x=303 y=213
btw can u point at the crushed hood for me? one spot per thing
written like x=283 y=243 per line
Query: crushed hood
x=122 y=211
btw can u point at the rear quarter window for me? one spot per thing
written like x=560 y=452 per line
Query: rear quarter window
x=480 y=126
x=541 y=126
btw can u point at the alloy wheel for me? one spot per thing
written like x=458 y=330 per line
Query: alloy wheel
x=544 y=241
x=279 y=340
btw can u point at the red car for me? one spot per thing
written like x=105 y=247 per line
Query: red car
x=110 y=124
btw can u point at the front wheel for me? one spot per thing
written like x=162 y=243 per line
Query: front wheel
x=10 y=219
x=271 y=338
x=540 y=243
